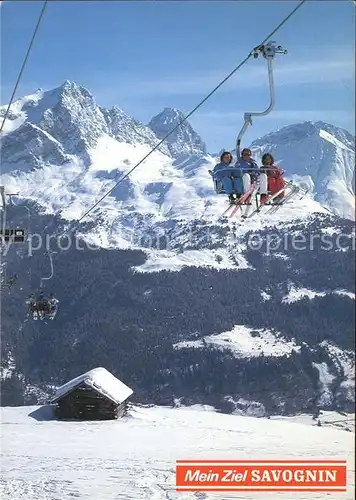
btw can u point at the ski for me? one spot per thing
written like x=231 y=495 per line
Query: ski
x=268 y=199
x=243 y=198
x=248 y=208
x=228 y=208
x=289 y=196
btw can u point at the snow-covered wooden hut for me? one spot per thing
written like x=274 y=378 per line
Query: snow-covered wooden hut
x=95 y=395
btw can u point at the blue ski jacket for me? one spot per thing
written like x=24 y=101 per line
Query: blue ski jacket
x=246 y=164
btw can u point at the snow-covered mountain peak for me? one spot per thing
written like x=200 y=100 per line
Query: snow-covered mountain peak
x=32 y=108
x=170 y=116
x=126 y=129
x=291 y=133
x=302 y=131
x=68 y=114
x=75 y=120
x=50 y=127
x=322 y=155
x=68 y=86
x=70 y=92
x=182 y=141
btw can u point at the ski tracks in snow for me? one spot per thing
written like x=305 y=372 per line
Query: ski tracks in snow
x=87 y=479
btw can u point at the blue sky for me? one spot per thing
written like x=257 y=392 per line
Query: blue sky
x=147 y=55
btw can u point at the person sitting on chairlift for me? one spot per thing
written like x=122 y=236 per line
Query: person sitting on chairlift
x=42 y=307
x=231 y=183
x=274 y=176
x=247 y=164
x=32 y=306
x=53 y=305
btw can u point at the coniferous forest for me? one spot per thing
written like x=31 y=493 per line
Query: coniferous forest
x=129 y=322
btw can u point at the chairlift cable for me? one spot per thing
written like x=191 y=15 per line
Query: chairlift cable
x=24 y=63
x=193 y=110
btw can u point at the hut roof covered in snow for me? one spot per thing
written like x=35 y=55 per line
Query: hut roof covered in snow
x=100 y=380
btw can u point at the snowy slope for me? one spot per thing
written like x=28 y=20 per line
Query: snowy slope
x=345 y=363
x=319 y=154
x=134 y=458
x=296 y=294
x=246 y=342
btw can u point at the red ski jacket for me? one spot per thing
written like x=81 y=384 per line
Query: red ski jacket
x=272 y=171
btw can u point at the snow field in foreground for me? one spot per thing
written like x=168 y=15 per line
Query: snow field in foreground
x=134 y=458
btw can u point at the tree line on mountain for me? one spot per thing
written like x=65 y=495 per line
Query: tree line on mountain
x=128 y=321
